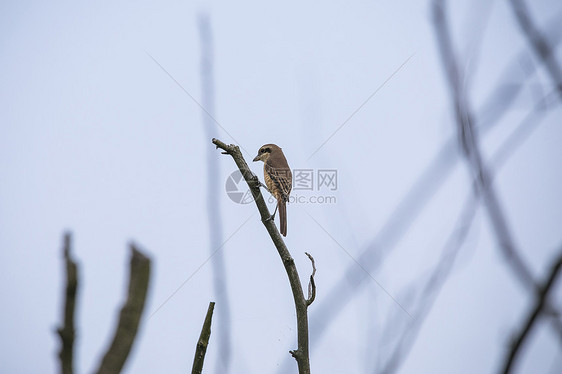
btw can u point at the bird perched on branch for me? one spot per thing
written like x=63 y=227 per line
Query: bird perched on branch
x=278 y=179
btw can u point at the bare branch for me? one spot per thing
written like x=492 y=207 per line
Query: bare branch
x=442 y=270
x=427 y=184
x=468 y=138
x=311 y=284
x=213 y=188
x=469 y=144
x=203 y=341
x=538 y=42
x=301 y=354
x=413 y=203
x=130 y=316
x=67 y=332
x=541 y=304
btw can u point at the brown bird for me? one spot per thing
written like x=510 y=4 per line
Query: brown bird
x=278 y=179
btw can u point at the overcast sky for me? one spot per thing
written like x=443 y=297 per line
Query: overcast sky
x=97 y=137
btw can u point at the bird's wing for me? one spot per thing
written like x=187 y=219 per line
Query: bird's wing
x=282 y=178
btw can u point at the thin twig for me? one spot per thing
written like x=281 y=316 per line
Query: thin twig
x=301 y=354
x=541 y=303
x=538 y=42
x=203 y=341
x=311 y=283
x=130 y=316
x=67 y=332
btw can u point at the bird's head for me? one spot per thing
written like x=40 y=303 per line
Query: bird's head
x=265 y=151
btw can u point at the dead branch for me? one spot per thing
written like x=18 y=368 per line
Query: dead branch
x=130 y=316
x=440 y=274
x=311 y=284
x=538 y=42
x=468 y=138
x=67 y=332
x=301 y=354
x=203 y=341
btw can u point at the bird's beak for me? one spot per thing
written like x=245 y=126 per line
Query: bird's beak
x=257 y=158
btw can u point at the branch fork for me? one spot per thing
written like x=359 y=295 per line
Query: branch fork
x=301 y=354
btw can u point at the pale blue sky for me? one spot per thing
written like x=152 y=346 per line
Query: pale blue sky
x=97 y=139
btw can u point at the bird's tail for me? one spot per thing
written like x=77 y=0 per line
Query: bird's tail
x=282 y=205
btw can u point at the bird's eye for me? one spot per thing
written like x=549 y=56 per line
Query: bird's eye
x=262 y=150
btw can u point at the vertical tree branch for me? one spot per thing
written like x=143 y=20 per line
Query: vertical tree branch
x=213 y=190
x=203 y=341
x=130 y=316
x=67 y=332
x=301 y=354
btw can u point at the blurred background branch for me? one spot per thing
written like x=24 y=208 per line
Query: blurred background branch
x=432 y=287
x=67 y=331
x=130 y=315
x=541 y=302
x=469 y=144
x=116 y=151
x=213 y=190
x=538 y=42
x=468 y=138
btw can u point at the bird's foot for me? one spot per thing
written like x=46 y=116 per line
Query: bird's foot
x=264 y=186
